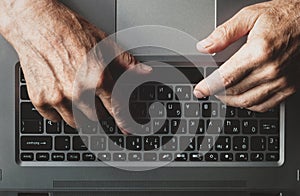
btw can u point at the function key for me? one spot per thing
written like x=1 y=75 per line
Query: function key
x=241 y=156
x=181 y=157
x=73 y=156
x=104 y=156
x=165 y=157
x=226 y=157
x=24 y=93
x=134 y=156
x=164 y=92
x=88 y=157
x=211 y=157
x=119 y=157
x=42 y=156
x=32 y=127
x=257 y=156
x=269 y=127
x=249 y=126
x=52 y=127
x=58 y=157
x=196 y=157
x=27 y=156
x=150 y=157
x=272 y=157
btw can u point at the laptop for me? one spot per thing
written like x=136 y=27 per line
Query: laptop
x=189 y=145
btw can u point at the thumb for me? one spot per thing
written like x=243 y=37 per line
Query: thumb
x=229 y=32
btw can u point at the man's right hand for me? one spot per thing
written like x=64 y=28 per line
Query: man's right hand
x=52 y=42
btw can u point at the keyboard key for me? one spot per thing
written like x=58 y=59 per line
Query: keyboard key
x=98 y=143
x=187 y=143
x=52 y=127
x=138 y=110
x=24 y=93
x=257 y=156
x=32 y=127
x=226 y=157
x=211 y=157
x=73 y=157
x=245 y=113
x=240 y=143
x=210 y=70
x=165 y=157
x=196 y=157
x=57 y=156
x=227 y=111
x=241 y=156
x=272 y=113
x=249 y=126
x=193 y=74
x=157 y=110
x=134 y=156
x=108 y=126
x=116 y=143
x=173 y=110
x=27 y=156
x=209 y=109
x=22 y=78
x=181 y=157
x=119 y=157
x=62 y=143
x=223 y=143
x=88 y=157
x=150 y=157
x=164 y=92
x=214 y=126
x=104 y=156
x=204 y=143
x=161 y=126
x=272 y=157
x=192 y=110
x=196 y=126
x=258 y=143
x=28 y=112
x=273 y=143
x=69 y=130
x=169 y=143
x=36 y=143
x=80 y=143
x=151 y=143
x=178 y=126
x=134 y=143
x=90 y=128
x=147 y=92
x=42 y=157
x=232 y=126
x=183 y=93
x=269 y=127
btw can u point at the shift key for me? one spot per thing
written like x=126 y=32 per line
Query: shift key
x=36 y=143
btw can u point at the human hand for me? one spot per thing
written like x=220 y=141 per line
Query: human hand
x=53 y=42
x=264 y=71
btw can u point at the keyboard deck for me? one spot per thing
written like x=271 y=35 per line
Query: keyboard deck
x=188 y=132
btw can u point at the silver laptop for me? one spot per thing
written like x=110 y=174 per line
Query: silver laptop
x=200 y=146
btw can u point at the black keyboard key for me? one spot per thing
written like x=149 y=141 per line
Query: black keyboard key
x=57 y=156
x=210 y=109
x=227 y=111
x=69 y=130
x=157 y=110
x=116 y=143
x=24 y=93
x=272 y=157
x=161 y=126
x=183 y=93
x=214 y=126
x=196 y=126
x=28 y=112
x=174 y=110
x=119 y=157
x=269 y=126
x=249 y=126
x=204 y=143
x=134 y=143
x=258 y=143
x=257 y=156
x=27 y=156
x=36 y=143
x=88 y=157
x=138 y=110
x=108 y=126
x=241 y=156
x=187 y=143
x=165 y=157
x=178 y=126
x=62 y=143
x=32 y=127
x=272 y=113
x=98 y=143
x=210 y=70
x=80 y=143
x=245 y=113
x=196 y=157
x=223 y=143
x=89 y=128
x=73 y=157
x=164 y=92
x=104 y=157
x=169 y=143
x=226 y=157
x=52 y=127
x=240 y=143
x=147 y=92
x=192 y=110
x=211 y=157
x=151 y=143
x=150 y=157
x=232 y=126
x=134 y=156
x=22 y=78
x=42 y=157
x=273 y=143
x=181 y=157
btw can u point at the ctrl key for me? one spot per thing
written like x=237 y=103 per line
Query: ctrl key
x=27 y=156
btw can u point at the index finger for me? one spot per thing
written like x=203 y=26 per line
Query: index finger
x=228 y=74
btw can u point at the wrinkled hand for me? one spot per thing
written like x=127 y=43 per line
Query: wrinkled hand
x=264 y=72
x=53 y=43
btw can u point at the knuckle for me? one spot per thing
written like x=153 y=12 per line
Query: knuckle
x=260 y=109
x=221 y=32
x=228 y=80
x=56 y=99
x=244 y=102
x=272 y=71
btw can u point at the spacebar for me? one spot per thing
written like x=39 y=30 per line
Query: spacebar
x=36 y=143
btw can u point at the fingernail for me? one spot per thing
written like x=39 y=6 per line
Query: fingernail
x=146 y=68
x=204 y=44
x=198 y=94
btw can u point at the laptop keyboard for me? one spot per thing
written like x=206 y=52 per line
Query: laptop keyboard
x=188 y=130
